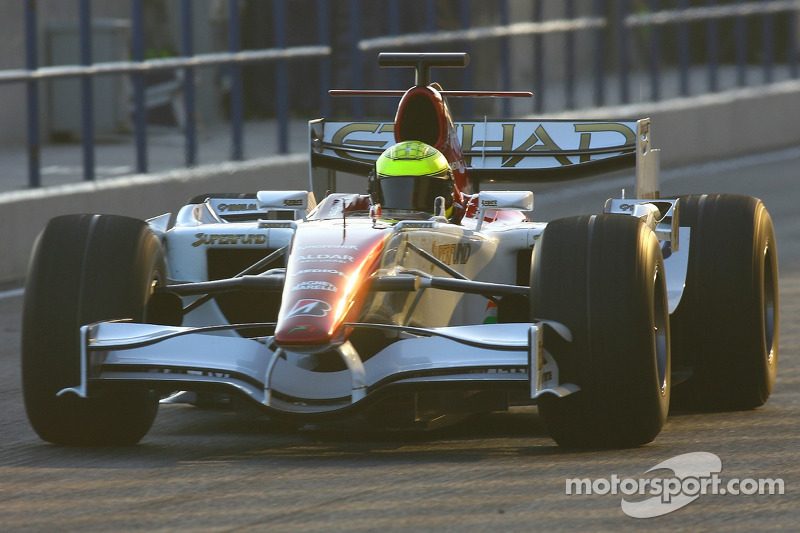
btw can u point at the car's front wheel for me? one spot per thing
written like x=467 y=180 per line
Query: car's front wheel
x=603 y=277
x=85 y=268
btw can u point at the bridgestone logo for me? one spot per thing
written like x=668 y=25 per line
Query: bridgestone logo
x=308 y=307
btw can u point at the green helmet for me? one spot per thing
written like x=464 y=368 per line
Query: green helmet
x=410 y=176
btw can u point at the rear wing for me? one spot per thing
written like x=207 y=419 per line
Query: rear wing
x=498 y=150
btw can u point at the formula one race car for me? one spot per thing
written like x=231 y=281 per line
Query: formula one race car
x=418 y=300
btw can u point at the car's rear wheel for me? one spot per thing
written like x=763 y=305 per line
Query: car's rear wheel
x=726 y=326
x=603 y=277
x=85 y=268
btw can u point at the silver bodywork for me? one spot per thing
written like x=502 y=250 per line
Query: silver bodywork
x=442 y=339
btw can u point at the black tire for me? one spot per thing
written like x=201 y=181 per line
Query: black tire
x=603 y=277
x=85 y=268
x=726 y=326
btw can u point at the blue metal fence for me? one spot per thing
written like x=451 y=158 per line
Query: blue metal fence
x=679 y=37
x=188 y=62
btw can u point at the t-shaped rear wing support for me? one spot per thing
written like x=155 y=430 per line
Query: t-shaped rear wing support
x=422 y=62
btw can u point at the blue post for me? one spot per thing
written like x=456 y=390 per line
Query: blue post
x=281 y=77
x=712 y=37
x=767 y=45
x=393 y=17
x=683 y=53
x=538 y=62
x=655 y=55
x=31 y=63
x=741 y=48
x=235 y=72
x=187 y=50
x=87 y=96
x=139 y=103
x=430 y=16
x=465 y=16
x=599 y=58
x=624 y=81
x=570 y=66
x=792 y=44
x=505 y=58
x=355 y=57
x=324 y=36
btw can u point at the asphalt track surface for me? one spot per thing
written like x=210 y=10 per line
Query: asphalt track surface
x=206 y=470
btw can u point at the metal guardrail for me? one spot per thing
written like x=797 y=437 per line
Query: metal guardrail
x=189 y=61
x=603 y=21
x=152 y=65
x=712 y=15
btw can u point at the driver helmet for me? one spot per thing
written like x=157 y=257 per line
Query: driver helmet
x=410 y=176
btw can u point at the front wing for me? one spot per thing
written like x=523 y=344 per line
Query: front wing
x=478 y=357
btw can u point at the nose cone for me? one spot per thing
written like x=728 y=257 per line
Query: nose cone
x=325 y=286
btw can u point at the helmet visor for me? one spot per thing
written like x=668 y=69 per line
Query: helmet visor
x=414 y=193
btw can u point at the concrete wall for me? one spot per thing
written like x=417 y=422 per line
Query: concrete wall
x=23 y=214
x=712 y=126
x=687 y=131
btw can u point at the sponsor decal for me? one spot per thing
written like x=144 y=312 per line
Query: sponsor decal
x=326 y=258
x=320 y=271
x=315 y=286
x=292 y=203
x=490 y=315
x=506 y=370
x=512 y=140
x=414 y=224
x=539 y=140
x=452 y=254
x=274 y=224
x=328 y=247
x=228 y=239
x=488 y=203
x=237 y=207
x=309 y=307
x=340 y=137
x=301 y=328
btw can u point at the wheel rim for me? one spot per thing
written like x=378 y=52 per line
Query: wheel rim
x=660 y=330
x=769 y=291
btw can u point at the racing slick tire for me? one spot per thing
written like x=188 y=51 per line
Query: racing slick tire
x=725 y=327
x=602 y=276
x=85 y=268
